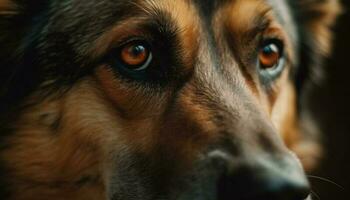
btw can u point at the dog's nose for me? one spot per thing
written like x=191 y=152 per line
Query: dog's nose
x=271 y=187
x=264 y=179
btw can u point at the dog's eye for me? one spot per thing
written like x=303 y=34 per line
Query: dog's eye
x=271 y=59
x=270 y=55
x=135 y=55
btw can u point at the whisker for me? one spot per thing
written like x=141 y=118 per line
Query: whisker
x=313 y=193
x=326 y=180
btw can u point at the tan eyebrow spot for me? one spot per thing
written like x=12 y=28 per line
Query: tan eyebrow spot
x=186 y=18
x=243 y=15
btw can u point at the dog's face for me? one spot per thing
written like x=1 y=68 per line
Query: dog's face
x=157 y=99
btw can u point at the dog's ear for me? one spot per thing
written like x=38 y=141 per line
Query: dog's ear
x=8 y=14
x=318 y=17
x=16 y=17
x=8 y=41
x=315 y=20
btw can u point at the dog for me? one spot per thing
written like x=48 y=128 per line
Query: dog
x=159 y=99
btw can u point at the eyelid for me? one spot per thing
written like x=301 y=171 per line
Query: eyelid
x=117 y=35
x=130 y=39
x=279 y=43
x=277 y=32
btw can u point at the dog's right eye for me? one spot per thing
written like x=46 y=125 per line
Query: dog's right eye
x=269 y=56
x=135 y=56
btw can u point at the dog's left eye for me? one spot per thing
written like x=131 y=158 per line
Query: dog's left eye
x=135 y=55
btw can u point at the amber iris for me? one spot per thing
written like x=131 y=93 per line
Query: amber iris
x=134 y=55
x=269 y=56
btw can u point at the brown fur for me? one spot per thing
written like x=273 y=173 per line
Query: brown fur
x=59 y=162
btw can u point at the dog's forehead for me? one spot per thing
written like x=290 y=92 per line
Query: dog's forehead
x=209 y=6
x=97 y=17
x=206 y=9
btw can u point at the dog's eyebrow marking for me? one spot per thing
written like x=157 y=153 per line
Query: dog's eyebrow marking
x=175 y=18
x=246 y=18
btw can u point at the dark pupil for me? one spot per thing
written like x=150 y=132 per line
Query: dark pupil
x=137 y=50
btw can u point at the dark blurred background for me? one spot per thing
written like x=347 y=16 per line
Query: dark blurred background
x=332 y=107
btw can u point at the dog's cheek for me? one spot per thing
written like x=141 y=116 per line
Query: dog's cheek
x=59 y=147
x=286 y=119
x=284 y=114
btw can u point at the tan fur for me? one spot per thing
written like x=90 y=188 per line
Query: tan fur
x=252 y=10
x=286 y=120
